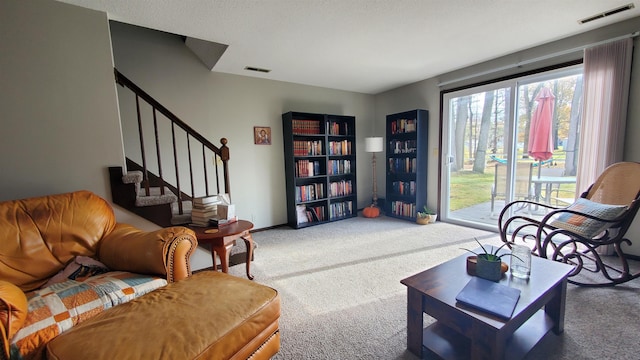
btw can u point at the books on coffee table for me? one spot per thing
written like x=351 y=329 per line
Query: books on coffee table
x=222 y=222
x=489 y=296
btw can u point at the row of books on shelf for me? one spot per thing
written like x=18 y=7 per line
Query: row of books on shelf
x=305 y=127
x=403 y=126
x=339 y=167
x=404 y=187
x=340 y=147
x=403 y=146
x=307 y=214
x=403 y=165
x=340 y=188
x=310 y=192
x=307 y=147
x=401 y=208
x=341 y=209
x=337 y=128
x=307 y=168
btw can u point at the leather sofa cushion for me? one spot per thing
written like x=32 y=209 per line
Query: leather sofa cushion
x=40 y=236
x=209 y=315
x=13 y=312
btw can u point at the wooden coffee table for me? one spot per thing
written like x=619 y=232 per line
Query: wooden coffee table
x=223 y=239
x=464 y=333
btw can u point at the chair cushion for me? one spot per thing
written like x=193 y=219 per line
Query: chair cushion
x=585 y=226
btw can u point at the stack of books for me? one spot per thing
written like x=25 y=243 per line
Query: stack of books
x=215 y=222
x=204 y=208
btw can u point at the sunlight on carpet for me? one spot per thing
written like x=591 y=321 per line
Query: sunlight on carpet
x=342 y=299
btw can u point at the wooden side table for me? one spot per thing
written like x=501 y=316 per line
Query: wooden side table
x=223 y=239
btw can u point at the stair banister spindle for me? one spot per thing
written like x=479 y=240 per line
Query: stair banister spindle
x=224 y=154
x=204 y=169
x=145 y=174
x=175 y=164
x=155 y=129
x=193 y=191
x=215 y=166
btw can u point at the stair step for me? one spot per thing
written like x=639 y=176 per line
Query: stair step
x=186 y=207
x=132 y=177
x=185 y=217
x=181 y=219
x=155 y=200
x=155 y=197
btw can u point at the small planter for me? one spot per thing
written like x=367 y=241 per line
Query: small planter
x=432 y=218
x=490 y=270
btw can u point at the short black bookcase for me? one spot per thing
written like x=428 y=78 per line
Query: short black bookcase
x=320 y=168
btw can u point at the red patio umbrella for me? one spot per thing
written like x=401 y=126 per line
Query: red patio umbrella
x=540 y=136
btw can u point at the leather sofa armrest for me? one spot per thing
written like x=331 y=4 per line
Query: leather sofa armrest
x=164 y=252
x=13 y=312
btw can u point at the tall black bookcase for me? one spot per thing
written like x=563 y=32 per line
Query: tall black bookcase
x=406 y=163
x=320 y=168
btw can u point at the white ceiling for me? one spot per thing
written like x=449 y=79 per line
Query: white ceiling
x=366 y=46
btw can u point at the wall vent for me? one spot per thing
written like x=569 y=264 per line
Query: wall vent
x=252 y=68
x=606 y=13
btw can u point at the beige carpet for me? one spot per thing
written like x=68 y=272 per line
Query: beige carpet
x=342 y=298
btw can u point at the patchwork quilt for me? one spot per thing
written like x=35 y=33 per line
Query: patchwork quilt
x=58 y=307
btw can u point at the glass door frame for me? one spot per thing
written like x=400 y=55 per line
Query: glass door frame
x=510 y=135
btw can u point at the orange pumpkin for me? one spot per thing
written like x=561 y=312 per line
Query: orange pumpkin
x=371 y=211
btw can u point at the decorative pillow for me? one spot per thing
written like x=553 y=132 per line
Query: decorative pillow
x=81 y=268
x=583 y=225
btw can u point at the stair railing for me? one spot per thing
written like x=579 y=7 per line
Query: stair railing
x=180 y=154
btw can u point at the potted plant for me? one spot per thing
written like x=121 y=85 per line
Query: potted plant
x=425 y=217
x=488 y=264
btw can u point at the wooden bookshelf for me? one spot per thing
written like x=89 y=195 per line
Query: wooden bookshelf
x=406 y=163
x=320 y=163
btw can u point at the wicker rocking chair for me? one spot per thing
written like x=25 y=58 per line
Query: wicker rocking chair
x=589 y=233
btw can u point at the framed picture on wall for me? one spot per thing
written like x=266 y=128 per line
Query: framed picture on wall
x=262 y=135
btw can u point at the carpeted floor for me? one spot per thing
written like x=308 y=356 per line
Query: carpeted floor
x=342 y=299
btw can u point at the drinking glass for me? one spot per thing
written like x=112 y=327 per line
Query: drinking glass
x=520 y=261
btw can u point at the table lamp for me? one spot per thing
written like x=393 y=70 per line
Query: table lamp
x=374 y=145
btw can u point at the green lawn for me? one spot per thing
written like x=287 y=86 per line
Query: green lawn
x=469 y=189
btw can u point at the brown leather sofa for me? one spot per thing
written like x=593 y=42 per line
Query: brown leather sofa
x=40 y=236
x=219 y=316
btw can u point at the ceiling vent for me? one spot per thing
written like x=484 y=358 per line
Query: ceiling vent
x=606 y=13
x=252 y=68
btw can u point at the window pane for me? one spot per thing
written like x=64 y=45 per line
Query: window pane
x=510 y=141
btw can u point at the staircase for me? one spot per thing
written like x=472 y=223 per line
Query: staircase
x=151 y=186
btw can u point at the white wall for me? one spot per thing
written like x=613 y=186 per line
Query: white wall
x=60 y=123
x=221 y=105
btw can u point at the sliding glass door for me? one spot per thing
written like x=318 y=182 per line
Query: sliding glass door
x=510 y=140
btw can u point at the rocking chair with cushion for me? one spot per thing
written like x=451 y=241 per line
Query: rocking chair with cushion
x=589 y=233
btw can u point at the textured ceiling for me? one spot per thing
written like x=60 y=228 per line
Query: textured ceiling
x=366 y=46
